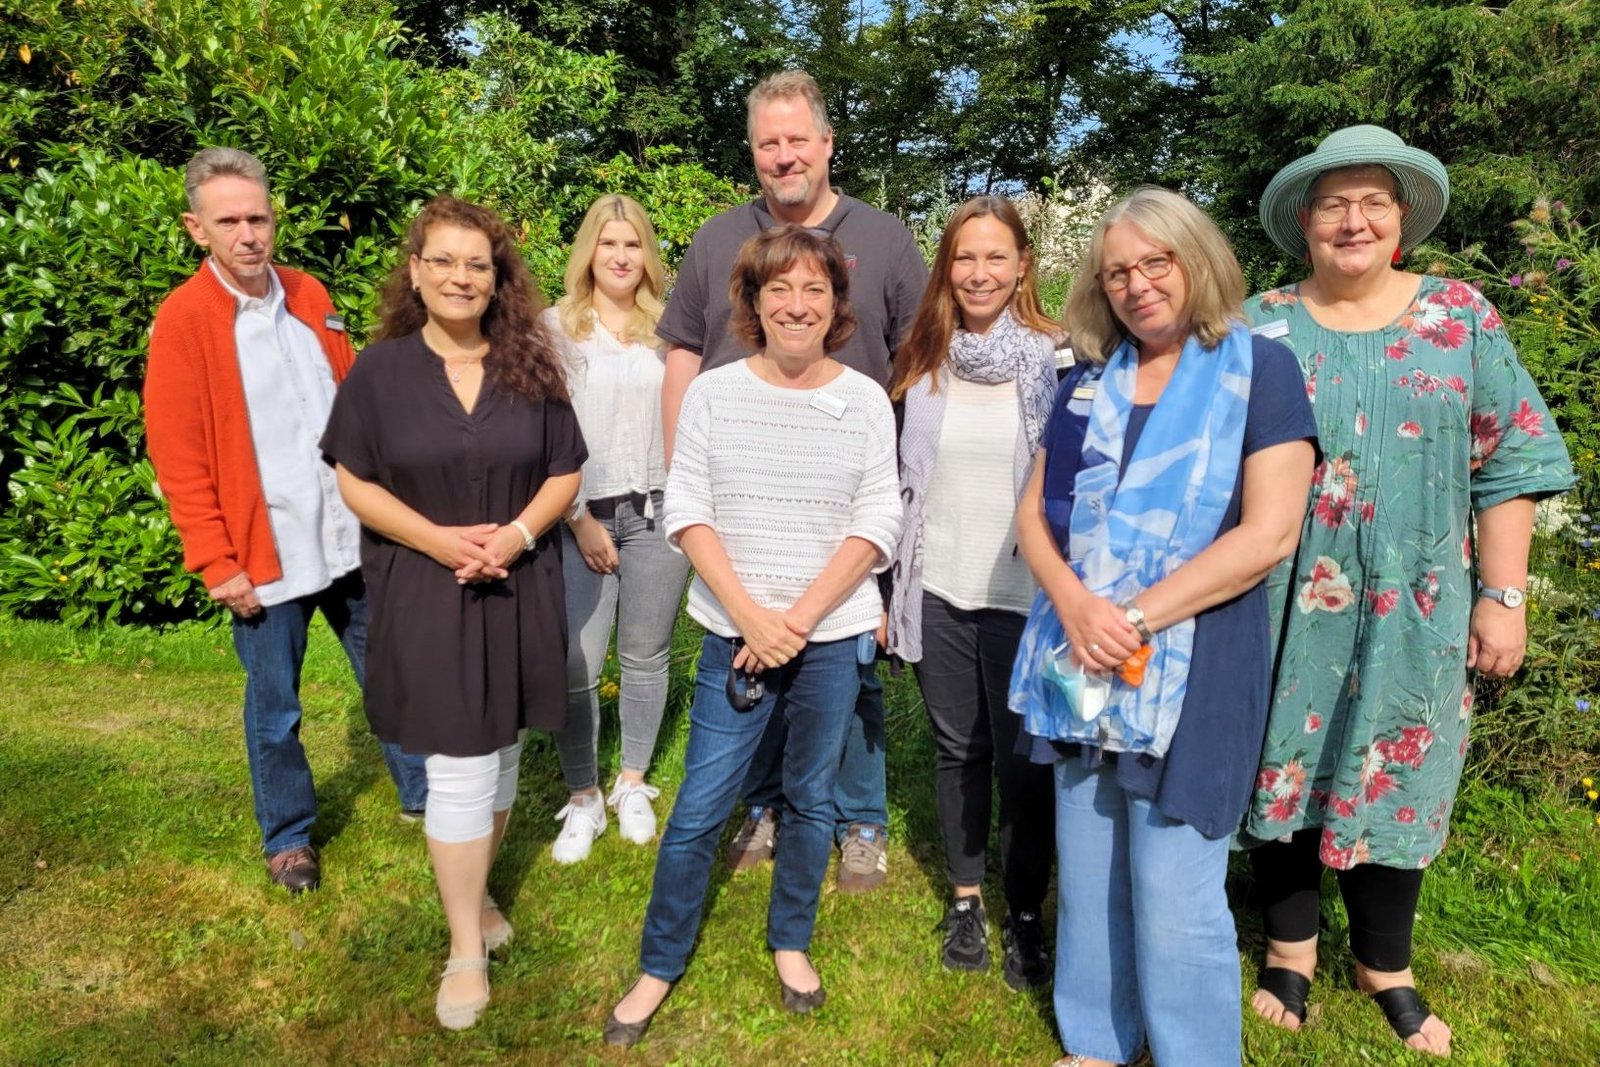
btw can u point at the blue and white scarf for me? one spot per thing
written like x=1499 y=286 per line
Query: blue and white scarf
x=1128 y=532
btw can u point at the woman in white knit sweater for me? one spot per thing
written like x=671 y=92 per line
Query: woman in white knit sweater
x=783 y=494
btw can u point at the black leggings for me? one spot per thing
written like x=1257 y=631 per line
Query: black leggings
x=1381 y=901
x=964 y=674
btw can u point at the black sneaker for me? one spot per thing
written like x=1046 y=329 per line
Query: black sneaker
x=1027 y=958
x=966 y=942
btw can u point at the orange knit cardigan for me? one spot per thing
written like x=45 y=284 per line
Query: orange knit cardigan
x=199 y=428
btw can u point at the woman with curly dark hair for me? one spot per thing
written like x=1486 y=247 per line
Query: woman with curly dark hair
x=457 y=449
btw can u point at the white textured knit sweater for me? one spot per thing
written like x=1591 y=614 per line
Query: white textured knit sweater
x=784 y=476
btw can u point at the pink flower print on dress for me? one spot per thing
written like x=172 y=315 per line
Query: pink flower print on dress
x=1466 y=549
x=1491 y=320
x=1448 y=335
x=1456 y=384
x=1410 y=429
x=1368 y=510
x=1361 y=423
x=1410 y=749
x=1313 y=723
x=1466 y=705
x=1486 y=435
x=1528 y=420
x=1456 y=295
x=1399 y=350
x=1407 y=815
x=1384 y=602
x=1337 y=483
x=1280 y=297
x=1326 y=589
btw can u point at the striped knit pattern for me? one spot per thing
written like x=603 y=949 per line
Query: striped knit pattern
x=783 y=482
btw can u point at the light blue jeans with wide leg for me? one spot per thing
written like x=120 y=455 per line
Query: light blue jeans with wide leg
x=1145 y=946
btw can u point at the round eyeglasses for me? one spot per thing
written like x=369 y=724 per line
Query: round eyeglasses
x=1153 y=267
x=1375 y=207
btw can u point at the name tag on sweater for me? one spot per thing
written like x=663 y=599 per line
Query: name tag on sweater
x=1272 y=330
x=334 y=322
x=1085 y=391
x=829 y=404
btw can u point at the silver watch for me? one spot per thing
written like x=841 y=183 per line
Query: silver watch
x=1510 y=596
x=1135 y=616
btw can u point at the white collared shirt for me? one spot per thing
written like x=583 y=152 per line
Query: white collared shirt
x=616 y=392
x=288 y=392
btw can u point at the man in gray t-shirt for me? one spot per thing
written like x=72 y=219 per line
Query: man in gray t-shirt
x=791 y=142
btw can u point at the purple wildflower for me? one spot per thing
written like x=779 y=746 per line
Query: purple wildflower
x=1559 y=206
x=1581 y=704
x=1515 y=281
x=1563 y=263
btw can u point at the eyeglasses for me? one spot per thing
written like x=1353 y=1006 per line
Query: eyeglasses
x=1154 y=268
x=1375 y=207
x=445 y=266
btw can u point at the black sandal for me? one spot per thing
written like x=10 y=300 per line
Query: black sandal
x=1404 y=1008
x=1290 y=987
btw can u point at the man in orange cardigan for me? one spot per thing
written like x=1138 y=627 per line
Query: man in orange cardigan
x=244 y=359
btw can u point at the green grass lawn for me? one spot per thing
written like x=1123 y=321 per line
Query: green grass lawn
x=137 y=925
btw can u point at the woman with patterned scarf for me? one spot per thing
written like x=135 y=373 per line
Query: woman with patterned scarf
x=977 y=376
x=1169 y=486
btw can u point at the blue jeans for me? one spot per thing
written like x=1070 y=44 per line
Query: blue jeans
x=815 y=695
x=1145 y=945
x=859 y=792
x=272 y=648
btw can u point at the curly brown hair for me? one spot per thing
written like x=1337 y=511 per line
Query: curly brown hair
x=523 y=356
x=770 y=253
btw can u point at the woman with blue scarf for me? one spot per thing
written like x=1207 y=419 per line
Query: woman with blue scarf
x=1173 y=477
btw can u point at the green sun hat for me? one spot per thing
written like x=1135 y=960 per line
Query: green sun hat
x=1424 y=184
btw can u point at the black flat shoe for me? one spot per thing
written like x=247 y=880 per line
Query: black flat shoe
x=626 y=1035
x=798 y=1002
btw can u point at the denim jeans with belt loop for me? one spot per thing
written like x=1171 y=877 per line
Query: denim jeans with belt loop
x=272 y=648
x=815 y=694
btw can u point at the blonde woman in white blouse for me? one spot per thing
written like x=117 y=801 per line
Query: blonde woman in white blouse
x=616 y=563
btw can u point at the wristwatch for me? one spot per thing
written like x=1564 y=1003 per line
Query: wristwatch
x=1135 y=617
x=1510 y=596
x=528 y=540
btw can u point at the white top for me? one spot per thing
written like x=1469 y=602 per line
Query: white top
x=288 y=392
x=616 y=392
x=969 y=517
x=784 y=476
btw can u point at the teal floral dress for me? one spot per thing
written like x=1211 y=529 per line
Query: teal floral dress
x=1422 y=424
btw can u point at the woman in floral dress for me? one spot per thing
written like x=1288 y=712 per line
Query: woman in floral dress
x=1430 y=427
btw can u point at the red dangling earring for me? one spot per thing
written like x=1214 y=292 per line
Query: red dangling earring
x=1394 y=260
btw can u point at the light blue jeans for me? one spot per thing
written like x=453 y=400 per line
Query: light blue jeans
x=1145 y=947
x=642 y=597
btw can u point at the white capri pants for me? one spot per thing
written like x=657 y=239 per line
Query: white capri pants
x=465 y=793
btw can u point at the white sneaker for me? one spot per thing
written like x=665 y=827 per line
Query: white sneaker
x=585 y=821
x=636 y=820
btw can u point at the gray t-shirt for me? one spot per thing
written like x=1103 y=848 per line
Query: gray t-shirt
x=887 y=277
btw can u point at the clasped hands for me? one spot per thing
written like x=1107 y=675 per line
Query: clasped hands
x=481 y=553
x=1102 y=637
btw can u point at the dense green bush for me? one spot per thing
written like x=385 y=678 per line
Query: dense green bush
x=109 y=100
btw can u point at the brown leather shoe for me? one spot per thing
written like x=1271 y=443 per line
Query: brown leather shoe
x=296 y=870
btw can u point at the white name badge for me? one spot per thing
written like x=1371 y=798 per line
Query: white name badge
x=829 y=404
x=1085 y=391
x=1272 y=330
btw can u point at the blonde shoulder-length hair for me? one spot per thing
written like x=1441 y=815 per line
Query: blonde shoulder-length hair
x=1215 y=283
x=575 y=307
